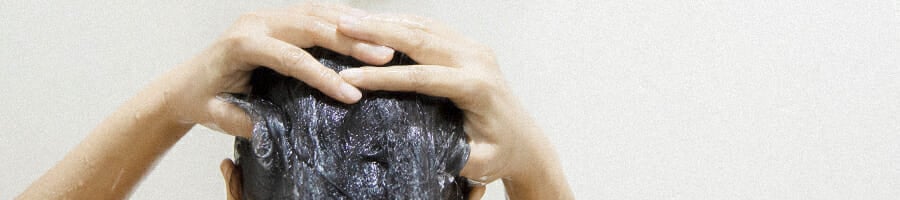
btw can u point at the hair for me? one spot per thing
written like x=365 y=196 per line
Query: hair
x=389 y=145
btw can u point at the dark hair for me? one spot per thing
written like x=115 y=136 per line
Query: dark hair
x=389 y=145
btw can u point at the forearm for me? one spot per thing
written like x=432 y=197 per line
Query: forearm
x=538 y=174
x=114 y=157
x=541 y=178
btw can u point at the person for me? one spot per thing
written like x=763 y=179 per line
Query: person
x=505 y=141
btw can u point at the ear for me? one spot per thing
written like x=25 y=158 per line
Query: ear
x=232 y=179
x=477 y=192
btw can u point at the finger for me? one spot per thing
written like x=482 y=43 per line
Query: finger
x=426 y=79
x=316 y=25
x=292 y=61
x=232 y=179
x=423 y=40
x=477 y=192
x=330 y=12
x=317 y=33
x=228 y=118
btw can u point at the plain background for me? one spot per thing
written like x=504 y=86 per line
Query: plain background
x=643 y=99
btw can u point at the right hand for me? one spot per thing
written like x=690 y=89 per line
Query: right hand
x=505 y=142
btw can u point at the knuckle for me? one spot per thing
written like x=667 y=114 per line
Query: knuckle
x=321 y=78
x=315 y=30
x=418 y=78
x=328 y=76
x=484 y=54
x=415 y=21
x=236 y=42
x=250 y=22
x=293 y=60
x=417 y=39
x=476 y=90
x=315 y=6
x=424 y=21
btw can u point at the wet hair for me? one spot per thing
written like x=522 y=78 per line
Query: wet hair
x=389 y=145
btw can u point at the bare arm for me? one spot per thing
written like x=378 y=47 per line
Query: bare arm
x=114 y=157
x=123 y=148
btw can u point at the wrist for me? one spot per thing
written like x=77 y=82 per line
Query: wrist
x=166 y=101
x=531 y=156
x=156 y=109
x=535 y=171
x=513 y=138
x=183 y=92
x=540 y=175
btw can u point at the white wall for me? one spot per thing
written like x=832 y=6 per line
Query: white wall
x=644 y=99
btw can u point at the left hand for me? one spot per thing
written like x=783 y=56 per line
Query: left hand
x=272 y=38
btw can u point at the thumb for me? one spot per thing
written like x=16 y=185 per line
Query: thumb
x=226 y=117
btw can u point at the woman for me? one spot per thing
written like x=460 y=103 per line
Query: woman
x=505 y=142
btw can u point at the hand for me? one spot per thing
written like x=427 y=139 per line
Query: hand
x=271 y=38
x=504 y=140
x=115 y=156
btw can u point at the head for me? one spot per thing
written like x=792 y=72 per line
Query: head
x=305 y=145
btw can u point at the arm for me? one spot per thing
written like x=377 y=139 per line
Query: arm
x=114 y=157
x=505 y=142
x=541 y=175
x=123 y=148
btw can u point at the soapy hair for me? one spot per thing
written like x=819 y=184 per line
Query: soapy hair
x=389 y=145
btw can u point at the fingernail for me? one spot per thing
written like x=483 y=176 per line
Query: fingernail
x=350 y=92
x=381 y=51
x=351 y=74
